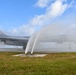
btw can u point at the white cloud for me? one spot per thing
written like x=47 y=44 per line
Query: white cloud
x=57 y=8
x=42 y=3
x=23 y=30
x=72 y=4
x=53 y=10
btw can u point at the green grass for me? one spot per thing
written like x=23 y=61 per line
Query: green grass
x=52 y=64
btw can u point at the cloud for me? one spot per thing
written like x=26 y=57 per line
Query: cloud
x=42 y=3
x=72 y=4
x=23 y=30
x=53 y=9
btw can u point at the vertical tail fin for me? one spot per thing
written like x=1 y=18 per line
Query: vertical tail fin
x=2 y=33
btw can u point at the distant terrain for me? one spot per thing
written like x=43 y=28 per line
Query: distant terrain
x=51 y=64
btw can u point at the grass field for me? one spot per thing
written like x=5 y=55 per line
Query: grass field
x=52 y=64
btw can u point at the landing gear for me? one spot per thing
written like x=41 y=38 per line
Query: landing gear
x=24 y=47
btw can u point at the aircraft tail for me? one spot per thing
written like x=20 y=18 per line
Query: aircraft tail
x=2 y=33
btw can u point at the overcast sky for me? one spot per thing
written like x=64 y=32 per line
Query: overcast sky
x=24 y=17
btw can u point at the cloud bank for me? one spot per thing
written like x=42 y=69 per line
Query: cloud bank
x=53 y=9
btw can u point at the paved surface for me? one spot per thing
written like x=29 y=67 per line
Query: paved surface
x=29 y=55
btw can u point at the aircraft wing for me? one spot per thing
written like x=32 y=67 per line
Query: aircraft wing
x=19 y=41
